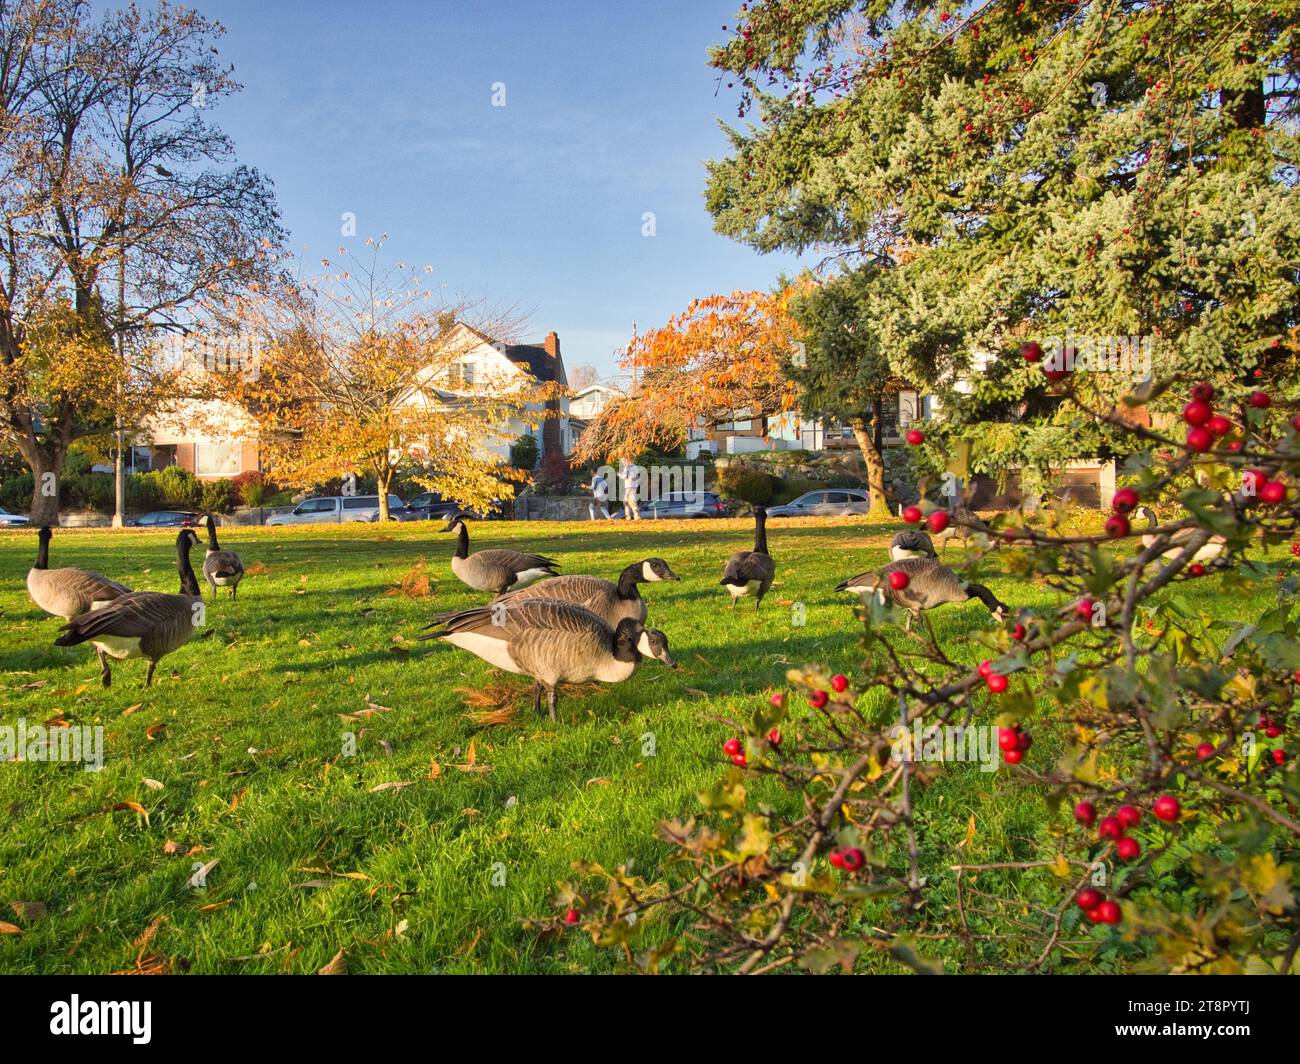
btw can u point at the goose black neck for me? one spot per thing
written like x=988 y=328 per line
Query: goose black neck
x=189 y=582
x=43 y=550
x=625 y=637
x=627 y=581
x=986 y=596
x=212 y=535
x=760 y=532
x=462 y=541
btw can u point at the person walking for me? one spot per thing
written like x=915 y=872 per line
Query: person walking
x=599 y=487
x=630 y=475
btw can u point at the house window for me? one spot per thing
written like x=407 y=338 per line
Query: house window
x=216 y=459
x=462 y=375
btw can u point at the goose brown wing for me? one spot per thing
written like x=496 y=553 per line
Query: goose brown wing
x=131 y=616
x=222 y=563
x=515 y=561
x=755 y=565
x=588 y=591
x=509 y=619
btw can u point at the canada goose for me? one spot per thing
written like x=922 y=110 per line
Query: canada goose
x=142 y=624
x=554 y=642
x=221 y=568
x=70 y=591
x=962 y=524
x=609 y=601
x=494 y=570
x=750 y=572
x=1213 y=547
x=929 y=584
x=910 y=543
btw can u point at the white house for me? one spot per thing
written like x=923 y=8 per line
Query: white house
x=482 y=363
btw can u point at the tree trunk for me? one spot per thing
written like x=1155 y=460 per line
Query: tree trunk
x=119 y=482
x=383 y=481
x=46 y=463
x=865 y=435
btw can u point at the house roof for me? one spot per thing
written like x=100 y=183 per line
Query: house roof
x=535 y=359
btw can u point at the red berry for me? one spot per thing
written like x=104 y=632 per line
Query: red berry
x=1234 y=445
x=1031 y=351
x=1110 y=828
x=1127 y=849
x=937 y=521
x=1013 y=757
x=1124 y=501
x=1167 y=808
x=1009 y=738
x=1085 y=813
x=837 y=859
x=1128 y=815
x=986 y=668
x=1117 y=526
x=777 y=700
x=1196 y=569
x=571 y=916
x=1094 y=915
x=853 y=859
x=839 y=681
x=898 y=580
x=1199 y=440
x=1204 y=751
x=1203 y=392
x=1272 y=731
x=1295 y=422
x=997 y=683
x=916 y=437
x=732 y=747
x=818 y=698
x=1279 y=757
x=774 y=737
x=1108 y=912
x=1026 y=741
x=739 y=759
x=1197 y=413
x=1055 y=375
x=1272 y=492
x=1088 y=898
x=1018 y=633
x=1219 y=425
x=1260 y=400
x=912 y=514
x=1084 y=608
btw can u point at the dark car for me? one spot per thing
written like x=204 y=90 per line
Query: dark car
x=431 y=506
x=168 y=519
x=676 y=504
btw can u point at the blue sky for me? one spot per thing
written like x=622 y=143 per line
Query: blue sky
x=385 y=109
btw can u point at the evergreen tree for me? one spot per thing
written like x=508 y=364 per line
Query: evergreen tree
x=1090 y=171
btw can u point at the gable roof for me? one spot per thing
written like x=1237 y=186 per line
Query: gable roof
x=535 y=359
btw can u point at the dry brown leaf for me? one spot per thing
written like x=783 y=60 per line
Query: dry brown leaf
x=7 y=928
x=414 y=583
x=435 y=769
x=131 y=709
x=171 y=846
x=30 y=910
x=153 y=785
x=154 y=730
x=391 y=785
x=57 y=721
x=214 y=906
x=135 y=807
x=490 y=718
x=336 y=966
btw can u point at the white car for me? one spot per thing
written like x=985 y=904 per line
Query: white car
x=335 y=510
x=8 y=520
x=833 y=502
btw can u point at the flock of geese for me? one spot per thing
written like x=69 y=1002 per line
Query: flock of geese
x=552 y=628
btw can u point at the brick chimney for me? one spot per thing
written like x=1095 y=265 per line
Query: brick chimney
x=551 y=426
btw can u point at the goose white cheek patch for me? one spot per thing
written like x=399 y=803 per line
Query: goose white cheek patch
x=643 y=645
x=648 y=574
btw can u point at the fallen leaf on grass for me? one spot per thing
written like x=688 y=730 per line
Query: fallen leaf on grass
x=391 y=785
x=435 y=769
x=153 y=785
x=131 y=709
x=34 y=685
x=214 y=906
x=336 y=966
x=171 y=846
x=414 y=583
x=314 y=884
x=134 y=807
x=146 y=936
x=491 y=718
x=57 y=721
x=30 y=910
x=7 y=928
x=154 y=730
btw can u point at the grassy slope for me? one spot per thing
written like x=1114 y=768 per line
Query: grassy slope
x=251 y=767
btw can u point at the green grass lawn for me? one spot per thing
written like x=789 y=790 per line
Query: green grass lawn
x=244 y=729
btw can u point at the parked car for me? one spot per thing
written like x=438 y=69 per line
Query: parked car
x=429 y=505
x=833 y=502
x=8 y=520
x=675 y=504
x=334 y=510
x=168 y=519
